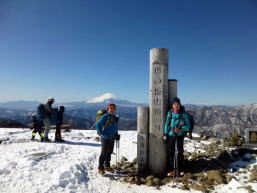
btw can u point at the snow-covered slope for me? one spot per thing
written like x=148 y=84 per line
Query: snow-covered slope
x=27 y=166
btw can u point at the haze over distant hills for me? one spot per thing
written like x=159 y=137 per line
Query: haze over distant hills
x=102 y=100
x=219 y=120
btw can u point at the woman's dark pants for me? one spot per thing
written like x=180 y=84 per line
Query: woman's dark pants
x=171 y=151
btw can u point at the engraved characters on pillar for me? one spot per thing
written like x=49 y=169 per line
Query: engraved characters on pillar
x=157 y=97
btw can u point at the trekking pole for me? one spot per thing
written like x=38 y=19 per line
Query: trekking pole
x=118 y=142
x=175 y=163
x=92 y=126
x=176 y=155
x=116 y=152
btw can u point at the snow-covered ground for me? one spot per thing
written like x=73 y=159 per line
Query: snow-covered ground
x=27 y=166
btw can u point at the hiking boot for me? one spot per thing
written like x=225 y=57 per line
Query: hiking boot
x=172 y=173
x=109 y=169
x=101 y=172
x=46 y=139
x=56 y=139
x=176 y=173
x=59 y=140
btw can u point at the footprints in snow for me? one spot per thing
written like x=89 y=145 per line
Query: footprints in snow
x=8 y=168
x=76 y=176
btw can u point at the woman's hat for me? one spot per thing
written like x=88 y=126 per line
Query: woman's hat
x=175 y=100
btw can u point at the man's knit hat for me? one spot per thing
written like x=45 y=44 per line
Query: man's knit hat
x=51 y=99
x=112 y=106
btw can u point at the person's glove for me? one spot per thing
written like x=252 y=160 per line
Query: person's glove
x=177 y=130
x=117 y=118
x=181 y=123
x=104 y=137
x=165 y=138
x=117 y=137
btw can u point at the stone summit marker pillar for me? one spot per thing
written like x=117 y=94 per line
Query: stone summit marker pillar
x=158 y=101
x=142 y=139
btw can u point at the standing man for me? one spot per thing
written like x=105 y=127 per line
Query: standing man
x=108 y=130
x=59 y=122
x=47 y=120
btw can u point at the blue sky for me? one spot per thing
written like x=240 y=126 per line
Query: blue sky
x=76 y=50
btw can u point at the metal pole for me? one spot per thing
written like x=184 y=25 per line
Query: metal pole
x=175 y=164
x=118 y=151
x=116 y=155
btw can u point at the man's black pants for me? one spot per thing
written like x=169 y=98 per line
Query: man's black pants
x=172 y=140
x=58 y=132
x=106 y=152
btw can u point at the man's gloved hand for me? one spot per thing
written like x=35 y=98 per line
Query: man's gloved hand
x=165 y=138
x=104 y=137
x=117 y=118
x=117 y=137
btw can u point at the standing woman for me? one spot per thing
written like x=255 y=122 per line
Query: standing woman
x=177 y=124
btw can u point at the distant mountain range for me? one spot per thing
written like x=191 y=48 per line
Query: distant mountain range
x=78 y=114
x=217 y=121
x=100 y=101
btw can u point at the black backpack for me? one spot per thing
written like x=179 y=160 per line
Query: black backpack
x=192 y=122
x=41 y=112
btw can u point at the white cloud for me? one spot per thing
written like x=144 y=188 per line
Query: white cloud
x=102 y=98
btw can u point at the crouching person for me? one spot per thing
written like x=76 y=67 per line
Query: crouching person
x=37 y=126
x=107 y=129
x=176 y=125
